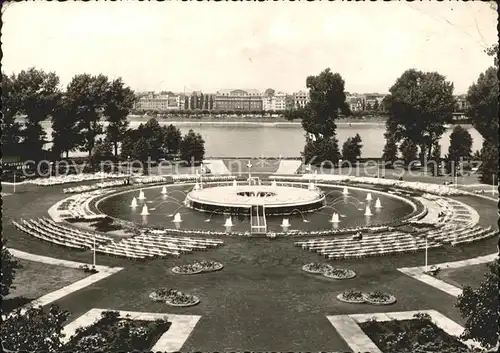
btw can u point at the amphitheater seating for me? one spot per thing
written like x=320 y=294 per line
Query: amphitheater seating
x=395 y=242
x=140 y=247
x=77 y=206
x=50 y=231
x=155 y=245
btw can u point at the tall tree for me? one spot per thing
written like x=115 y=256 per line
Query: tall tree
x=327 y=100
x=192 y=148
x=172 y=139
x=38 y=95
x=460 y=148
x=11 y=106
x=408 y=150
x=119 y=102
x=390 y=152
x=420 y=104
x=436 y=159
x=9 y=267
x=376 y=105
x=482 y=97
x=479 y=307
x=65 y=135
x=351 y=150
x=86 y=96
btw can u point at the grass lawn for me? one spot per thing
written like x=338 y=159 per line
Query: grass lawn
x=35 y=279
x=471 y=275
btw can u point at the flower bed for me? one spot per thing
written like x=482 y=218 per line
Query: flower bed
x=210 y=266
x=379 y=298
x=198 y=267
x=316 y=267
x=351 y=296
x=189 y=269
x=339 y=273
x=419 y=335
x=174 y=297
x=112 y=333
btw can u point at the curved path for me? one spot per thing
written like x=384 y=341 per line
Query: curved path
x=262 y=300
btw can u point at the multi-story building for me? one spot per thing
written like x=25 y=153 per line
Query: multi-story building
x=355 y=103
x=373 y=101
x=238 y=99
x=300 y=99
x=198 y=100
x=275 y=102
x=159 y=102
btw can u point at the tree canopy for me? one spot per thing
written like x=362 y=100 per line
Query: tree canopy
x=479 y=307
x=327 y=100
x=482 y=98
x=192 y=148
x=351 y=150
x=9 y=267
x=420 y=104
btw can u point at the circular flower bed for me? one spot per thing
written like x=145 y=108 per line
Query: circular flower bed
x=189 y=269
x=316 y=267
x=197 y=267
x=379 y=298
x=174 y=297
x=339 y=273
x=351 y=296
x=209 y=266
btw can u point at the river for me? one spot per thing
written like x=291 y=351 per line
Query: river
x=237 y=139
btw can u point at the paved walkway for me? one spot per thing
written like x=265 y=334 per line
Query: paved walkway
x=51 y=297
x=419 y=274
x=170 y=341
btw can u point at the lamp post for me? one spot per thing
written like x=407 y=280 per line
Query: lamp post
x=93 y=257
x=14 y=182
x=426 y=248
x=249 y=166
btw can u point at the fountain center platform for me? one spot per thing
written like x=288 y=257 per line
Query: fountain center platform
x=239 y=199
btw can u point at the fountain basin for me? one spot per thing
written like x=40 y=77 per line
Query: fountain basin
x=239 y=200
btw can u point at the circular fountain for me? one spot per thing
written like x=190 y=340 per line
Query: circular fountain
x=134 y=203
x=164 y=190
x=141 y=195
x=378 y=204
x=368 y=211
x=369 y=196
x=276 y=200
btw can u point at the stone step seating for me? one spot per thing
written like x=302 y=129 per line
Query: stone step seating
x=64 y=236
x=151 y=246
x=76 y=206
x=474 y=235
x=370 y=245
x=100 y=238
x=396 y=242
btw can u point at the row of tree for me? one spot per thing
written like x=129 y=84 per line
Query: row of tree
x=152 y=141
x=420 y=105
x=76 y=114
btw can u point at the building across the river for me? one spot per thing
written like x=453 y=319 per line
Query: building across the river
x=238 y=100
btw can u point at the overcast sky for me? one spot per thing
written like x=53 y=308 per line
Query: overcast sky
x=211 y=46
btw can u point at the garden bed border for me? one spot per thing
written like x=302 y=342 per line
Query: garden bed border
x=170 y=341
x=348 y=327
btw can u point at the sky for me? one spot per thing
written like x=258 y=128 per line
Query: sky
x=207 y=46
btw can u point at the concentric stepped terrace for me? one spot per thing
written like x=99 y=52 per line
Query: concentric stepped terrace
x=456 y=225
x=143 y=246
